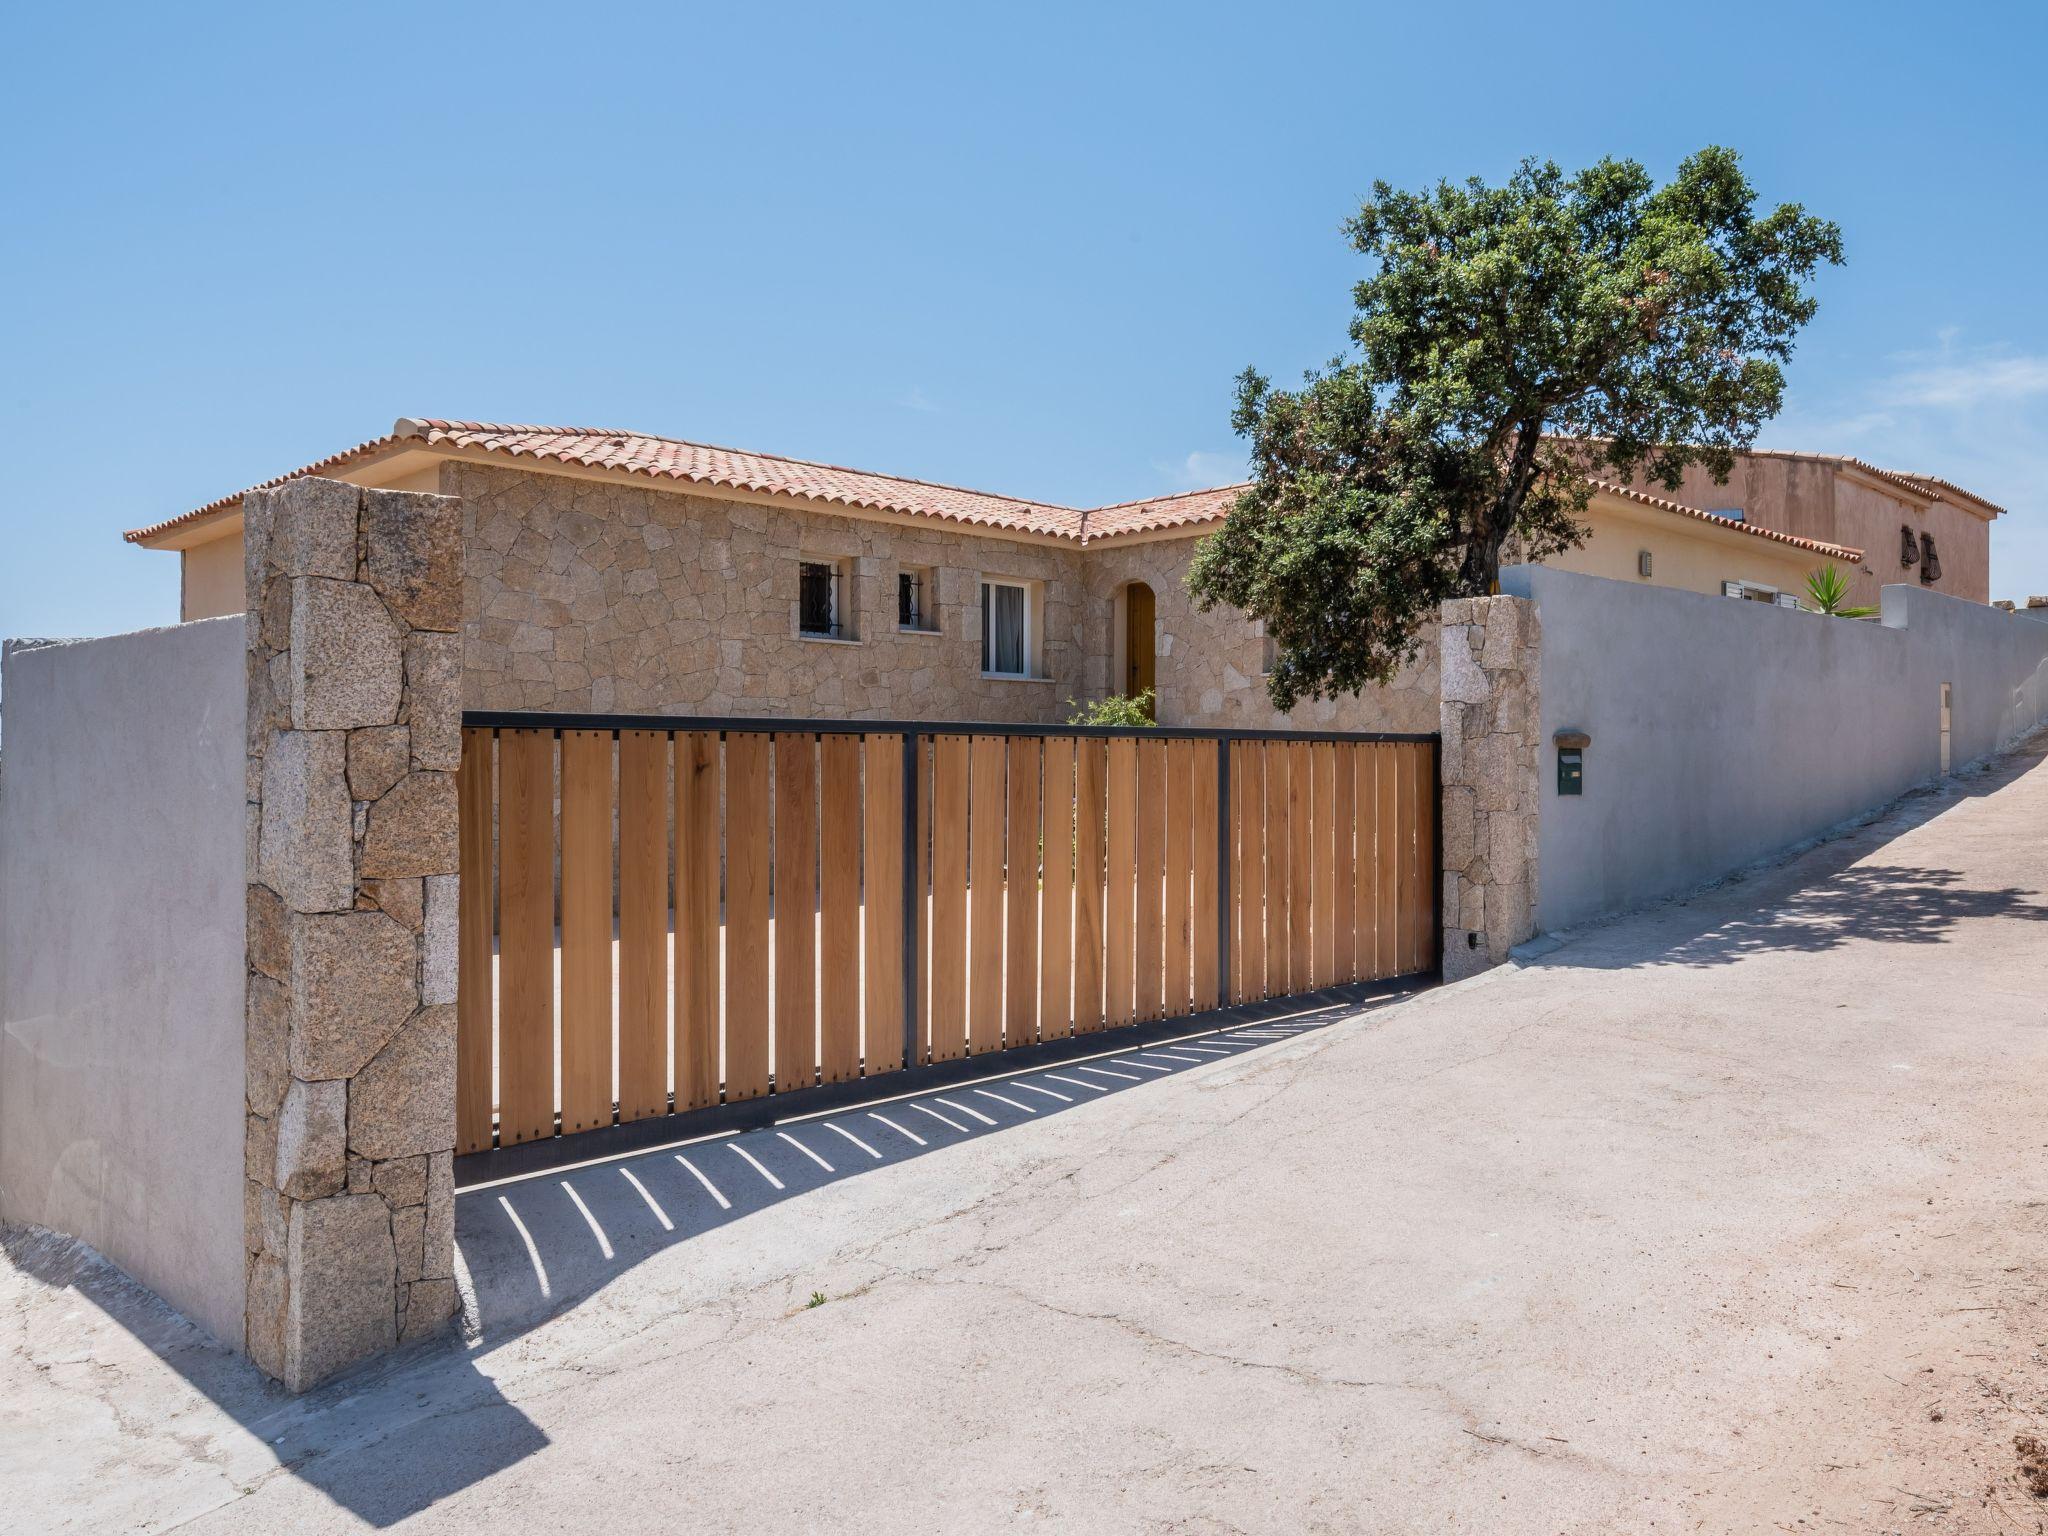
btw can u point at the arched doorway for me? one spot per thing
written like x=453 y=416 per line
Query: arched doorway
x=1140 y=663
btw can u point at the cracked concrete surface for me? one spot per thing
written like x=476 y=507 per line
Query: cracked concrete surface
x=1725 y=1216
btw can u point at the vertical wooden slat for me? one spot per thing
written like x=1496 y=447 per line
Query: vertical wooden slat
x=882 y=905
x=474 y=993
x=746 y=915
x=1344 y=830
x=697 y=919
x=1248 y=784
x=1056 y=958
x=1300 y=866
x=1387 y=863
x=949 y=897
x=586 y=930
x=1428 y=859
x=1323 y=879
x=1151 y=876
x=526 y=936
x=796 y=911
x=643 y=924
x=1180 y=793
x=986 y=811
x=1202 y=918
x=1091 y=794
x=1021 y=881
x=839 y=992
x=1365 y=866
x=1279 y=891
x=1120 y=882
x=921 y=878
x=1413 y=900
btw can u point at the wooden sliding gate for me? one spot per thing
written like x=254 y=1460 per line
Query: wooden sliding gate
x=660 y=915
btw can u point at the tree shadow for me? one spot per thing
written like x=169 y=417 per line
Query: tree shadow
x=1868 y=903
x=1827 y=896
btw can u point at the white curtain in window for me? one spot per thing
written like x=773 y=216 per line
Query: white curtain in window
x=1002 y=629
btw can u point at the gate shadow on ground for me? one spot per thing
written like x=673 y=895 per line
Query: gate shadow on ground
x=383 y=1442
x=537 y=1245
x=1831 y=895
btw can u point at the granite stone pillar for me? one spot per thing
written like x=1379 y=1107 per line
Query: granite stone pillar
x=1490 y=685
x=355 y=715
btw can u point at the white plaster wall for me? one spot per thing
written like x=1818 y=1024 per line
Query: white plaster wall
x=122 y=839
x=1723 y=731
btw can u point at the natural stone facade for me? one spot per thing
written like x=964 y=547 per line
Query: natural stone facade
x=1207 y=666
x=588 y=595
x=355 y=661
x=1491 y=649
x=591 y=596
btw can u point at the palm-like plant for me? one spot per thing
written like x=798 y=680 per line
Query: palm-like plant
x=1828 y=590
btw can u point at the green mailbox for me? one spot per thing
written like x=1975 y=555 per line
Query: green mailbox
x=1571 y=761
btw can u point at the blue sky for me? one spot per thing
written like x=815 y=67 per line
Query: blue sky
x=1024 y=249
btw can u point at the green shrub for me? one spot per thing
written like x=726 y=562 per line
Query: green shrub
x=1134 y=709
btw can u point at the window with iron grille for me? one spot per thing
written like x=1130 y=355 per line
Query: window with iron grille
x=917 y=604
x=818 y=605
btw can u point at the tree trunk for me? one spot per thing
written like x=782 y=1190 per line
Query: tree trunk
x=1479 y=574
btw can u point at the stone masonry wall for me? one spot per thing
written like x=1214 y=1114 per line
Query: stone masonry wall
x=584 y=595
x=355 y=712
x=1207 y=665
x=1491 y=690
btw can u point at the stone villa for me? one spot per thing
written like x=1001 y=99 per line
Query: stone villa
x=617 y=572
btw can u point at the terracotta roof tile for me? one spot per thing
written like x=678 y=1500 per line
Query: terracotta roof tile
x=668 y=458
x=1839 y=551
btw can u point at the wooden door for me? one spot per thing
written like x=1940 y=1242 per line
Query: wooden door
x=1140 y=672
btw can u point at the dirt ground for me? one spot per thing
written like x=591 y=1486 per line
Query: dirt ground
x=1726 y=1216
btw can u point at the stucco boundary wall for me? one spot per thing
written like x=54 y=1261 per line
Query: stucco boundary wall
x=354 y=675
x=121 y=954
x=1724 y=731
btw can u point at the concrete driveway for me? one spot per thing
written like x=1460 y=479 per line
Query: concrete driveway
x=1730 y=1216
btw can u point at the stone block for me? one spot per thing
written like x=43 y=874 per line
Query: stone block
x=405 y=900
x=273 y=630
x=1507 y=850
x=312 y=1140
x=378 y=757
x=428 y=1307
x=305 y=845
x=413 y=830
x=437 y=1258
x=433 y=681
x=354 y=982
x=347 y=669
x=268 y=934
x=403 y=1103
x=312 y=528
x=266 y=1044
x=408 y=1234
x=441 y=944
x=401 y=1180
x=1504 y=645
x=1456 y=830
x=265 y=1306
x=412 y=555
x=343 y=1296
x=1461 y=679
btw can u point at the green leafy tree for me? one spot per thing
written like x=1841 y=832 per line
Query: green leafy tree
x=1510 y=344
x=1828 y=590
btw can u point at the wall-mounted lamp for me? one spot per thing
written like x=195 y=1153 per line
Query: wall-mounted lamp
x=1643 y=563
x=1571 y=761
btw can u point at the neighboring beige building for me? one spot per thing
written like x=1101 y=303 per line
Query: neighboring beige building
x=612 y=572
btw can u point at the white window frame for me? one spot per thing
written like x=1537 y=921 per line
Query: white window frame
x=1029 y=648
